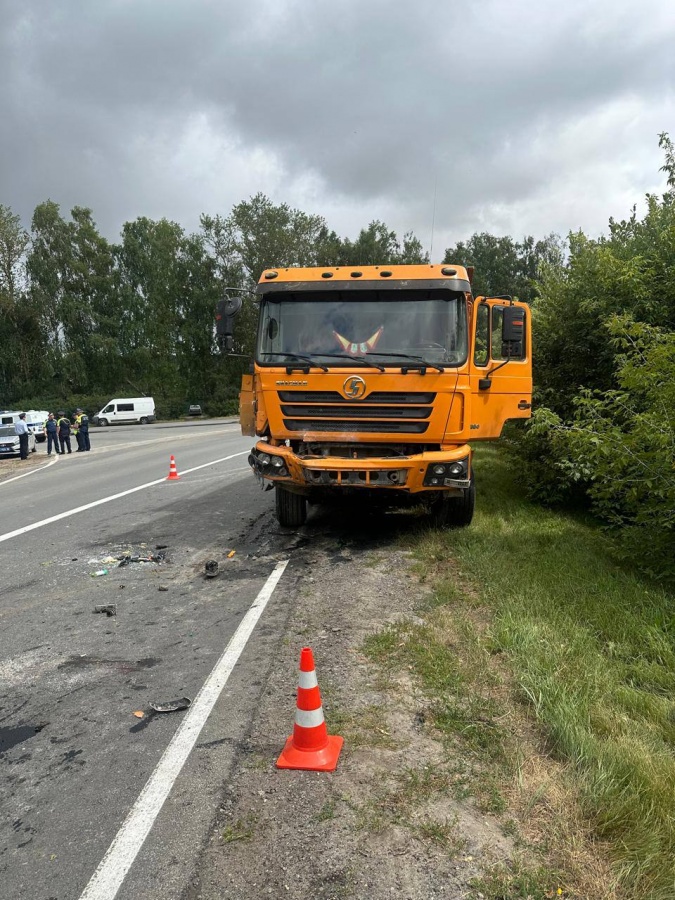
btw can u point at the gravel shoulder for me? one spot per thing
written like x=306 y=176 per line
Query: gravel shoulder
x=387 y=822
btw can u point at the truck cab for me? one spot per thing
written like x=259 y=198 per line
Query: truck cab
x=372 y=380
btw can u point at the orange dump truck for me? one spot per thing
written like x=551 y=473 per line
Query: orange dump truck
x=372 y=380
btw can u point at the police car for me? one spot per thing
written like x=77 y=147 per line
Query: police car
x=9 y=441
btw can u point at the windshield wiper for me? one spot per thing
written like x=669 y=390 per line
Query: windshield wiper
x=418 y=361
x=307 y=359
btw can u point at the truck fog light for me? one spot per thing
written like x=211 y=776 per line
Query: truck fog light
x=264 y=459
x=283 y=471
x=439 y=470
x=277 y=462
x=434 y=481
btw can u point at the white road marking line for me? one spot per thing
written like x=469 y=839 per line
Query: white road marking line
x=111 y=872
x=166 y=439
x=32 y=471
x=78 y=509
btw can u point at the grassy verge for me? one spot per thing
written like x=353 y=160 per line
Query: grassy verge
x=553 y=668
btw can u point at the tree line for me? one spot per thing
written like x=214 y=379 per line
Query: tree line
x=83 y=319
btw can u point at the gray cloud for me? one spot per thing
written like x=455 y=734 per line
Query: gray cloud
x=524 y=117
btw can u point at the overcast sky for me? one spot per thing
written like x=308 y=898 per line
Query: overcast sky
x=518 y=117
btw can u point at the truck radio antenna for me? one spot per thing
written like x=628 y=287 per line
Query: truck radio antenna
x=433 y=221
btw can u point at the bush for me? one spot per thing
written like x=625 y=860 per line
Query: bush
x=619 y=451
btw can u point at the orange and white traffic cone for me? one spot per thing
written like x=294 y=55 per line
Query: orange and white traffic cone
x=310 y=746
x=173 y=471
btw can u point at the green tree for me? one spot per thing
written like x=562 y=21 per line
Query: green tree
x=377 y=245
x=73 y=284
x=169 y=290
x=505 y=266
x=22 y=366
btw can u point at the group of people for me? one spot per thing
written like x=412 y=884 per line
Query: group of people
x=57 y=430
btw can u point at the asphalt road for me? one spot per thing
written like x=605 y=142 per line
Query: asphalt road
x=73 y=758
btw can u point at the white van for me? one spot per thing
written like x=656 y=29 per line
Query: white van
x=126 y=410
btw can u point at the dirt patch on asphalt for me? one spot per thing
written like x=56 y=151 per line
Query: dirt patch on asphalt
x=9 y=467
x=388 y=823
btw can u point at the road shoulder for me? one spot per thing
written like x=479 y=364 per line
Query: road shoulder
x=384 y=823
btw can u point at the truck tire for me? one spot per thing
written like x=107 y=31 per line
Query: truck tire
x=102 y=423
x=291 y=509
x=455 y=512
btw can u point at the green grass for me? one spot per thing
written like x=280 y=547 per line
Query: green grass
x=591 y=645
x=518 y=883
x=241 y=830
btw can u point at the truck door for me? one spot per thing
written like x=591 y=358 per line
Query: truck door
x=501 y=365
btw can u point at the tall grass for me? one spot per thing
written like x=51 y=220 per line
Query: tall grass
x=591 y=645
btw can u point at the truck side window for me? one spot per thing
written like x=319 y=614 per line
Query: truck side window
x=496 y=350
x=109 y=408
x=481 y=349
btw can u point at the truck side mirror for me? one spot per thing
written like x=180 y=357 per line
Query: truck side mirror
x=513 y=331
x=226 y=311
x=513 y=326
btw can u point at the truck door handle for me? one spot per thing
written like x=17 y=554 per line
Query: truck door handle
x=524 y=405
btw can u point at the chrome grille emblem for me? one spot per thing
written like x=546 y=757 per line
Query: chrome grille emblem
x=354 y=387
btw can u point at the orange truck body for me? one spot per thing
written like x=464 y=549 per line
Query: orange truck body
x=380 y=408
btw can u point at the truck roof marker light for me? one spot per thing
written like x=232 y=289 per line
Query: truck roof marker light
x=385 y=274
x=270 y=275
x=326 y=274
x=356 y=274
x=446 y=270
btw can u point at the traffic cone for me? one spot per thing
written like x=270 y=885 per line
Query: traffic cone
x=173 y=471
x=310 y=746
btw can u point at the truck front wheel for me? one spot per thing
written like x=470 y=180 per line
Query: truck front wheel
x=455 y=512
x=291 y=509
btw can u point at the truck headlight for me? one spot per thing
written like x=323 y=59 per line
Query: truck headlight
x=277 y=462
x=264 y=459
x=440 y=473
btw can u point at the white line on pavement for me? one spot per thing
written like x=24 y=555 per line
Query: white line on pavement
x=78 y=509
x=32 y=471
x=111 y=872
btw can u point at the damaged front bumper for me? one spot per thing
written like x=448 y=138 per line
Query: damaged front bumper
x=446 y=470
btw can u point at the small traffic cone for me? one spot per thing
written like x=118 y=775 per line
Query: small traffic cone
x=173 y=471
x=310 y=746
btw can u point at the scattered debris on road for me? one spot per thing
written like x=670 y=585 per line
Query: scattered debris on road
x=172 y=705
x=99 y=572
x=231 y=554
x=162 y=587
x=110 y=609
x=211 y=568
x=128 y=558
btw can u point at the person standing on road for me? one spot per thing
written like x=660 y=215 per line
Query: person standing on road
x=51 y=431
x=82 y=420
x=21 y=429
x=64 y=432
x=76 y=432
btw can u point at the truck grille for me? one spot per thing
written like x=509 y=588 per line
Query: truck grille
x=381 y=412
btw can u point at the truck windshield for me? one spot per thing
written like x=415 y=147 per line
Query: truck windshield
x=429 y=325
